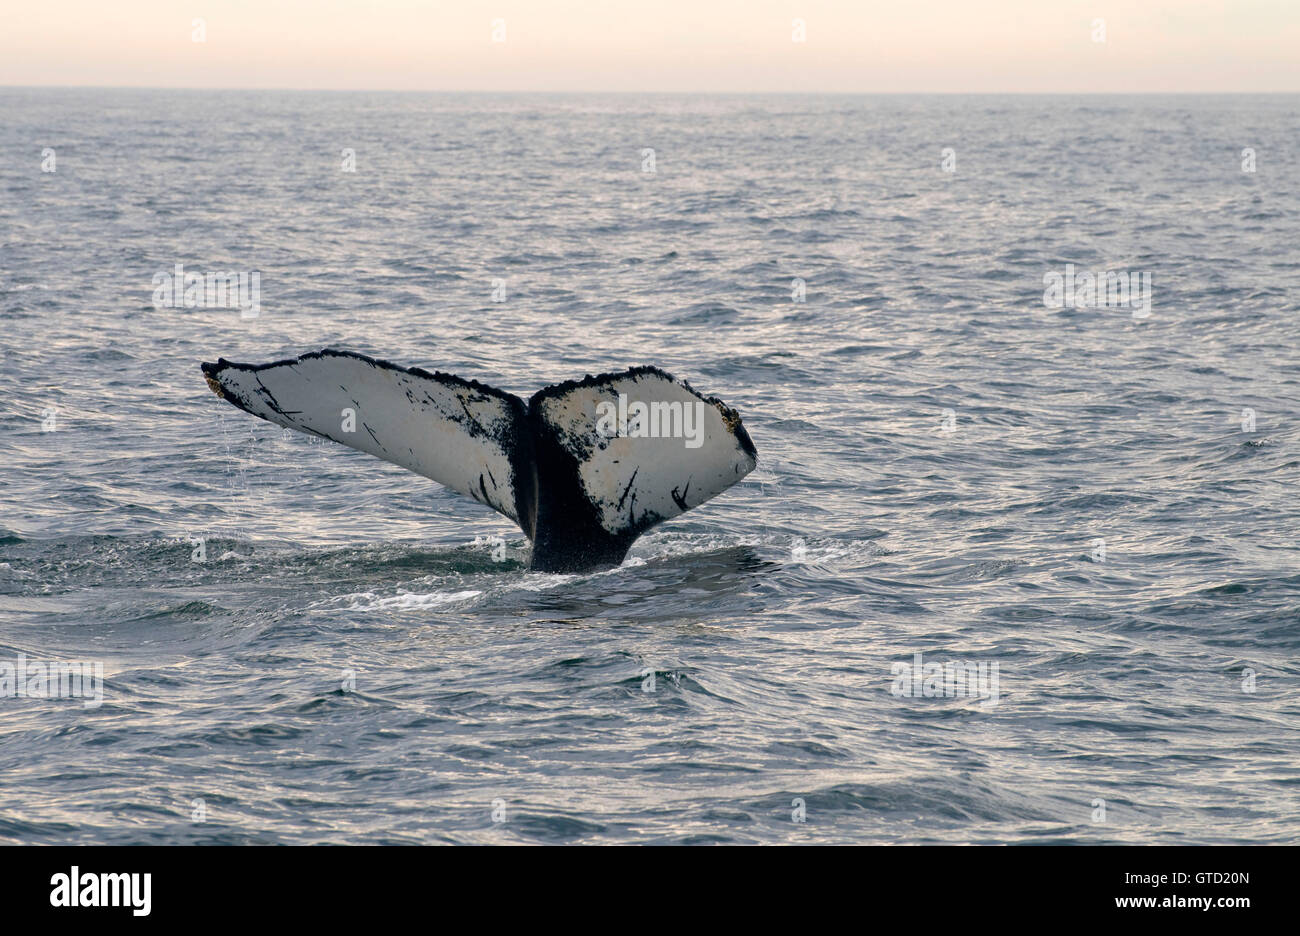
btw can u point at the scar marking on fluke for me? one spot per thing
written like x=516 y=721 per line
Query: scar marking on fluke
x=476 y=428
x=274 y=404
x=630 y=482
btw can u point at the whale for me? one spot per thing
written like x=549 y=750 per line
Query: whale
x=584 y=467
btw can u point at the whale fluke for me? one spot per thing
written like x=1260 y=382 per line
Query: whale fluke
x=584 y=467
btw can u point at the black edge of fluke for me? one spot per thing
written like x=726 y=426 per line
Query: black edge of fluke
x=211 y=370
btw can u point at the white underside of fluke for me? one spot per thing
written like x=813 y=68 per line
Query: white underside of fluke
x=436 y=425
x=671 y=449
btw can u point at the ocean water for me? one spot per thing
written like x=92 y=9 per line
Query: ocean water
x=1102 y=506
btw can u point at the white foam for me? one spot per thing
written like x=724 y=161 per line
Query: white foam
x=405 y=601
x=541 y=581
x=797 y=550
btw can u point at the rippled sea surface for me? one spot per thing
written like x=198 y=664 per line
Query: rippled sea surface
x=939 y=456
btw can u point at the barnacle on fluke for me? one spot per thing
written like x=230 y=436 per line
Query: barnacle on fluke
x=584 y=467
x=216 y=387
x=730 y=418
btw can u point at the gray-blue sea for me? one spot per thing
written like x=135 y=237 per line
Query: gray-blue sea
x=302 y=644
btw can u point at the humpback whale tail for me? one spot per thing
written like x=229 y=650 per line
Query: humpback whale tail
x=584 y=467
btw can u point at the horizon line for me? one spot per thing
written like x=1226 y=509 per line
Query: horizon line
x=656 y=93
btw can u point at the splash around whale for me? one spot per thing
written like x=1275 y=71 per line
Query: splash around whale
x=584 y=467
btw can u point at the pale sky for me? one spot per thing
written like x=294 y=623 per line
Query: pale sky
x=658 y=45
